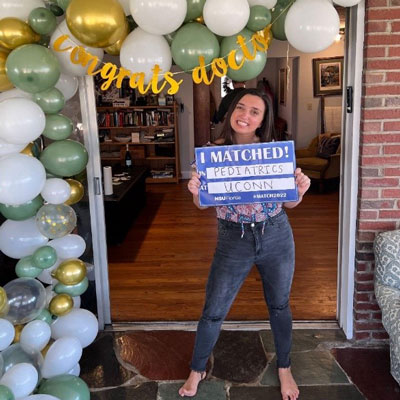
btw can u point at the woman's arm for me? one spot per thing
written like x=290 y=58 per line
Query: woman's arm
x=193 y=186
x=303 y=183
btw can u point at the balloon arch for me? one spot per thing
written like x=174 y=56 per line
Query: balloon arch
x=44 y=46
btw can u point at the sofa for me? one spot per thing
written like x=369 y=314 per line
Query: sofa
x=316 y=167
x=387 y=291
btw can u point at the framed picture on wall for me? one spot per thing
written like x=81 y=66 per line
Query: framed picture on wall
x=328 y=76
x=282 y=86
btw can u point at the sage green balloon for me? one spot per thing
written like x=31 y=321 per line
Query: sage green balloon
x=73 y=290
x=6 y=393
x=42 y=21
x=44 y=257
x=23 y=211
x=64 y=157
x=191 y=41
x=251 y=68
x=45 y=316
x=63 y=4
x=51 y=101
x=194 y=9
x=65 y=387
x=26 y=269
x=170 y=37
x=58 y=127
x=259 y=18
x=32 y=68
x=278 y=22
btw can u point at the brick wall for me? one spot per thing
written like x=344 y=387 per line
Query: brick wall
x=379 y=185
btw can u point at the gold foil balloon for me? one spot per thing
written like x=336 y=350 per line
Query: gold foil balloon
x=200 y=20
x=3 y=302
x=18 y=330
x=46 y=348
x=70 y=272
x=77 y=191
x=28 y=150
x=115 y=48
x=14 y=33
x=96 y=23
x=61 y=304
x=5 y=84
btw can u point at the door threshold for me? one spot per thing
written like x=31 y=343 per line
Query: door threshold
x=228 y=326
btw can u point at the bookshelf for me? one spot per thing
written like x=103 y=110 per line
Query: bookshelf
x=149 y=131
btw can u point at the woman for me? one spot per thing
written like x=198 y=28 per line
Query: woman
x=249 y=234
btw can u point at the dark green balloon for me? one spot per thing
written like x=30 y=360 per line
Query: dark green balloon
x=190 y=42
x=32 y=68
x=45 y=316
x=251 y=68
x=58 y=127
x=56 y=10
x=51 y=101
x=131 y=23
x=284 y=3
x=278 y=22
x=26 y=269
x=44 y=257
x=64 y=158
x=259 y=18
x=23 y=211
x=194 y=9
x=42 y=21
x=65 y=387
x=6 y=393
x=73 y=290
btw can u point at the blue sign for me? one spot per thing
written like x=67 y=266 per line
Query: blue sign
x=244 y=174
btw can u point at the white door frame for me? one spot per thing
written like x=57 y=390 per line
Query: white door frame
x=349 y=167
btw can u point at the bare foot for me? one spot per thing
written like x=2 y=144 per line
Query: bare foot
x=189 y=388
x=289 y=389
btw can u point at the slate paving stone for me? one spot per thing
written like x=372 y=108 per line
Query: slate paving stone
x=99 y=364
x=239 y=357
x=328 y=392
x=158 y=355
x=309 y=368
x=146 y=391
x=305 y=339
x=207 y=390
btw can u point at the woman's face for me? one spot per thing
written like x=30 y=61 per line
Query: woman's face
x=248 y=114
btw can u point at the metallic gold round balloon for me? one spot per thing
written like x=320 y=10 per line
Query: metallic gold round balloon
x=77 y=191
x=3 y=302
x=114 y=49
x=18 y=330
x=5 y=84
x=96 y=23
x=70 y=272
x=46 y=348
x=200 y=20
x=28 y=150
x=61 y=304
x=14 y=33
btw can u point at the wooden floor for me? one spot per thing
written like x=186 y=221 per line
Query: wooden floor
x=159 y=272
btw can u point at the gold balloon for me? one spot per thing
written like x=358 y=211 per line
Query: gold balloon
x=18 y=330
x=70 y=272
x=96 y=23
x=200 y=20
x=46 y=348
x=3 y=303
x=61 y=304
x=28 y=150
x=5 y=84
x=114 y=49
x=77 y=191
x=14 y=33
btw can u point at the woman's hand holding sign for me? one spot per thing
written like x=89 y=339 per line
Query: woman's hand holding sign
x=303 y=183
x=194 y=186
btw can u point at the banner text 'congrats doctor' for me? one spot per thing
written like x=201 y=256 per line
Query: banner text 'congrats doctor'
x=242 y=174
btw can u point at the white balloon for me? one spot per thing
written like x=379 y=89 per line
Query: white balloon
x=9 y=148
x=21 y=379
x=125 y=6
x=78 y=322
x=346 y=3
x=311 y=25
x=19 y=8
x=226 y=17
x=67 y=67
x=20 y=238
x=75 y=370
x=141 y=50
x=56 y=191
x=12 y=93
x=169 y=15
x=67 y=85
x=77 y=301
x=36 y=334
x=40 y=397
x=21 y=120
x=68 y=246
x=62 y=356
x=7 y=332
x=22 y=178
x=266 y=3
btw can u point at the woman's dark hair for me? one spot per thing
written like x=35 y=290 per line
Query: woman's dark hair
x=265 y=132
